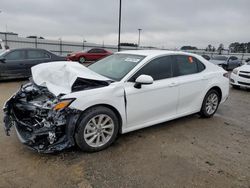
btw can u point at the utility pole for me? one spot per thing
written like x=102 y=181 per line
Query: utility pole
x=119 y=32
x=83 y=41
x=139 y=37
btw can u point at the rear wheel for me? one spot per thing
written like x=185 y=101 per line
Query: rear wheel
x=225 y=67
x=82 y=59
x=97 y=129
x=210 y=104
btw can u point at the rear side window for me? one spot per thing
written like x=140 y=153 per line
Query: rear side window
x=160 y=68
x=233 y=58
x=37 y=54
x=96 y=51
x=185 y=65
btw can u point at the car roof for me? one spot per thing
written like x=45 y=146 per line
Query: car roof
x=27 y=49
x=154 y=52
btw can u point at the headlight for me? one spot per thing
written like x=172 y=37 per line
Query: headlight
x=63 y=104
x=235 y=71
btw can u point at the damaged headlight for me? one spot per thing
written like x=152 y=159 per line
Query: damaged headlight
x=63 y=104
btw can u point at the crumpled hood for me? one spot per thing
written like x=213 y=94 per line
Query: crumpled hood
x=59 y=77
x=217 y=62
x=244 y=68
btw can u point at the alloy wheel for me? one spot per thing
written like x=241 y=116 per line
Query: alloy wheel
x=99 y=130
x=212 y=103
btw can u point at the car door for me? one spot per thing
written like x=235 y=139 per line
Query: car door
x=14 y=64
x=95 y=54
x=192 y=83
x=35 y=57
x=155 y=102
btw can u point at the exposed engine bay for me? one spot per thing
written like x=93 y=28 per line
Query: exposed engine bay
x=37 y=124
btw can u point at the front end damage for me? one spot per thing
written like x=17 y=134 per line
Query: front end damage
x=38 y=124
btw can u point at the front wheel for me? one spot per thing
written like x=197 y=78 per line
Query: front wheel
x=210 y=104
x=97 y=129
x=82 y=59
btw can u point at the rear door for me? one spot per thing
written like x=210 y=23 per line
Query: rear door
x=14 y=65
x=96 y=54
x=35 y=57
x=192 y=82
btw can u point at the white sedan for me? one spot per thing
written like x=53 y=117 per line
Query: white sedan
x=240 y=77
x=68 y=104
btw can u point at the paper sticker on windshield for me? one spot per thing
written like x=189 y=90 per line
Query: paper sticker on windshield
x=134 y=60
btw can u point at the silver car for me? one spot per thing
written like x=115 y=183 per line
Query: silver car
x=228 y=63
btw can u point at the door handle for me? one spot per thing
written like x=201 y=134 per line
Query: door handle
x=204 y=78
x=173 y=84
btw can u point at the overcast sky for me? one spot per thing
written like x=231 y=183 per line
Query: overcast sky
x=164 y=23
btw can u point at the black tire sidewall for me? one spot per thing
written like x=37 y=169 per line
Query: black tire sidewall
x=84 y=119
x=235 y=86
x=203 y=111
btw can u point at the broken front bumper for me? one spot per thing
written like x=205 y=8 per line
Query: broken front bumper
x=46 y=136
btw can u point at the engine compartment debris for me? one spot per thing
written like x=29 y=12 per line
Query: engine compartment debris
x=37 y=124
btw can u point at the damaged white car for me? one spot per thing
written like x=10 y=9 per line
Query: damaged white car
x=67 y=104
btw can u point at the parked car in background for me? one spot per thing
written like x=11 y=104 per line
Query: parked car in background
x=206 y=57
x=17 y=63
x=68 y=104
x=240 y=76
x=90 y=55
x=228 y=63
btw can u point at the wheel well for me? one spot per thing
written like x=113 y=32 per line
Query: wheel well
x=111 y=108
x=81 y=56
x=216 y=88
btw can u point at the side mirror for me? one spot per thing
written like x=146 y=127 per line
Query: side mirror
x=143 y=79
x=2 y=60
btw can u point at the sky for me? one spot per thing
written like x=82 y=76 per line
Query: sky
x=164 y=23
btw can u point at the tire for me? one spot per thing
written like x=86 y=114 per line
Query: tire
x=82 y=59
x=92 y=136
x=209 y=108
x=225 y=67
x=236 y=87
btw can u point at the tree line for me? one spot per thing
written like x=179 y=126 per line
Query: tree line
x=235 y=47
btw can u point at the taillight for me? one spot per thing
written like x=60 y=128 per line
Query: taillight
x=226 y=75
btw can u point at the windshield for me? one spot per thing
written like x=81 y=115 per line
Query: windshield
x=116 y=66
x=220 y=58
x=3 y=52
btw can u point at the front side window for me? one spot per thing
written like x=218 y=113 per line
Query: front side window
x=15 y=55
x=160 y=68
x=116 y=66
x=37 y=54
